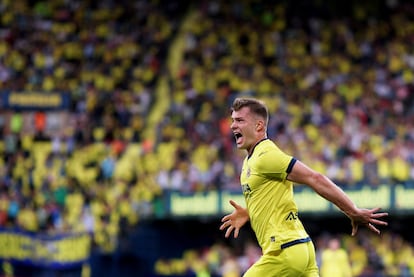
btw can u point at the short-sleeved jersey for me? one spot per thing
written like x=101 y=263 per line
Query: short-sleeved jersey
x=269 y=197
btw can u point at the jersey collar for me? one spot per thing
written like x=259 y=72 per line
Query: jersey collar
x=251 y=153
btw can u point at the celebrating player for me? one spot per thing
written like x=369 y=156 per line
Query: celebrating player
x=267 y=179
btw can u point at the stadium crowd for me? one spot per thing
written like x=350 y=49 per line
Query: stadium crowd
x=59 y=168
x=340 y=90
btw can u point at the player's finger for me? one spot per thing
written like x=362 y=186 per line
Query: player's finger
x=378 y=215
x=379 y=222
x=234 y=204
x=377 y=209
x=375 y=213
x=372 y=228
x=228 y=232
x=354 y=229
x=225 y=218
x=236 y=232
x=224 y=225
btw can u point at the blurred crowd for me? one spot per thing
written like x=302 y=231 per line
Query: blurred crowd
x=59 y=168
x=340 y=92
x=151 y=83
x=338 y=255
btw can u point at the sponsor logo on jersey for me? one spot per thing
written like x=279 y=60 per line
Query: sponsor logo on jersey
x=246 y=189
x=292 y=216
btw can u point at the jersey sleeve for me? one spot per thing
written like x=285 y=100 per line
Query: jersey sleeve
x=276 y=164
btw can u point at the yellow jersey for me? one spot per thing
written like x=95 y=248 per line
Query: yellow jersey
x=269 y=197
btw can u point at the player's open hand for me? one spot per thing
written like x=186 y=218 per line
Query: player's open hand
x=235 y=220
x=368 y=218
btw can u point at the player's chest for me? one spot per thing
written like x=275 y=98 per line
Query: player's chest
x=250 y=178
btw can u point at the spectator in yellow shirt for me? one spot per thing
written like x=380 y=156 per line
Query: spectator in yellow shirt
x=335 y=260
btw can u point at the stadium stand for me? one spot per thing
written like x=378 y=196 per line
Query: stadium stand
x=150 y=83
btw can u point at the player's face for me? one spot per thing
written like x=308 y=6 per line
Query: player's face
x=243 y=126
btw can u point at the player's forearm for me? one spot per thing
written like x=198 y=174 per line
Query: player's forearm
x=321 y=184
x=330 y=191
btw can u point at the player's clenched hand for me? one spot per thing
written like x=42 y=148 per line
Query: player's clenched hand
x=369 y=218
x=235 y=220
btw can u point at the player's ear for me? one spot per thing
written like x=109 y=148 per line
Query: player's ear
x=259 y=125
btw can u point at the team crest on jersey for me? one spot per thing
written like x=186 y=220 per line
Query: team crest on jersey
x=248 y=172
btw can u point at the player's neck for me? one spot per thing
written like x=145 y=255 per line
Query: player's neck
x=250 y=151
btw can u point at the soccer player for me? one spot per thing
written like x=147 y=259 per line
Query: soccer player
x=267 y=179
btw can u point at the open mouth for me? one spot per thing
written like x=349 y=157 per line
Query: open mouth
x=238 y=137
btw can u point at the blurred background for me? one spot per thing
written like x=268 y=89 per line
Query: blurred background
x=116 y=153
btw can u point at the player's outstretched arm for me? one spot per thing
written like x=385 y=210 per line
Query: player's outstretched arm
x=235 y=220
x=321 y=184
